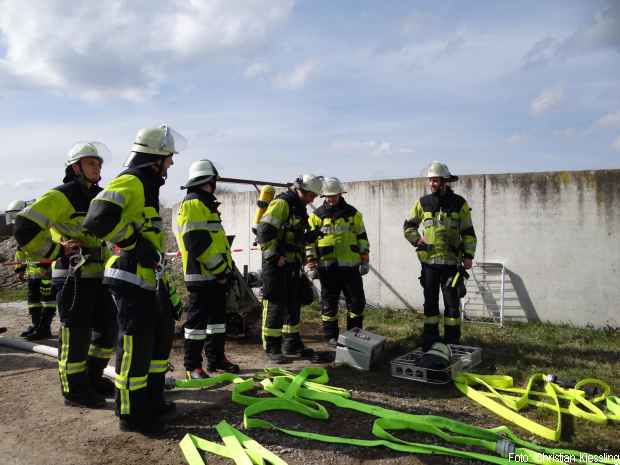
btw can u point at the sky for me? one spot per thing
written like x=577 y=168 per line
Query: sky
x=269 y=89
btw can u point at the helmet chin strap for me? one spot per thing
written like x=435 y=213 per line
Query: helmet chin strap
x=83 y=177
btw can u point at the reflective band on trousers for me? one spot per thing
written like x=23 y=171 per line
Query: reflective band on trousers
x=431 y=320
x=216 y=329
x=195 y=334
x=158 y=366
x=288 y=329
x=126 y=276
x=100 y=352
x=452 y=321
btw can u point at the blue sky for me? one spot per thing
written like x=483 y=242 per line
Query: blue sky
x=269 y=89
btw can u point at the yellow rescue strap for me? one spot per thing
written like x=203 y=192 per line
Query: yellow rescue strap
x=504 y=399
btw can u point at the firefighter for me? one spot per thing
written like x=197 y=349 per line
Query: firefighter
x=41 y=299
x=282 y=233
x=52 y=228
x=446 y=241
x=207 y=268
x=341 y=254
x=126 y=213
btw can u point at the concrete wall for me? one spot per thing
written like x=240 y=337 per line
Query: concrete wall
x=556 y=233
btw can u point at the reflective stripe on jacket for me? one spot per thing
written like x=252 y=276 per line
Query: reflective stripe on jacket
x=281 y=231
x=56 y=216
x=201 y=238
x=445 y=220
x=126 y=211
x=341 y=235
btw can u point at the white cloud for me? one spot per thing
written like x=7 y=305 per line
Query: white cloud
x=516 y=139
x=28 y=183
x=256 y=70
x=616 y=144
x=546 y=101
x=567 y=132
x=610 y=120
x=370 y=147
x=298 y=77
x=124 y=49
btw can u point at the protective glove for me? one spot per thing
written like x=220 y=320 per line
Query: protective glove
x=177 y=311
x=364 y=268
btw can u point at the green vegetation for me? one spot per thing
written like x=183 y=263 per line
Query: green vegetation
x=13 y=295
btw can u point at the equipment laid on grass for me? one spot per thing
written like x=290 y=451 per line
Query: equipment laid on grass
x=410 y=366
x=589 y=399
x=359 y=349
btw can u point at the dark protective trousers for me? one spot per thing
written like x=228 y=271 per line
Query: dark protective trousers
x=145 y=333
x=434 y=278
x=205 y=327
x=41 y=302
x=281 y=307
x=334 y=281
x=87 y=333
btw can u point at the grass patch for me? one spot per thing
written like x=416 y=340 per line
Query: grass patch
x=519 y=350
x=13 y=295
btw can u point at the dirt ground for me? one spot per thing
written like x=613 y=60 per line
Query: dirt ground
x=36 y=428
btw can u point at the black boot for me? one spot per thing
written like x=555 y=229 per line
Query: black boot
x=44 y=328
x=159 y=405
x=294 y=347
x=35 y=317
x=86 y=398
x=273 y=350
x=355 y=322
x=102 y=386
x=216 y=359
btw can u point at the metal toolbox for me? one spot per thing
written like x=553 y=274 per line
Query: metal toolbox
x=462 y=358
x=359 y=349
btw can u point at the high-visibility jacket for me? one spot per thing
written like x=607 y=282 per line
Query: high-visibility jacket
x=281 y=230
x=446 y=223
x=126 y=212
x=201 y=238
x=341 y=235
x=20 y=261
x=56 y=216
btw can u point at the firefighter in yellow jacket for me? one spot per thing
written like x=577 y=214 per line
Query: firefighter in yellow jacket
x=439 y=226
x=282 y=235
x=52 y=229
x=126 y=213
x=207 y=267
x=41 y=298
x=341 y=254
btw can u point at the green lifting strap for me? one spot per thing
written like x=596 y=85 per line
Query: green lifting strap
x=506 y=400
x=300 y=392
x=297 y=394
x=237 y=446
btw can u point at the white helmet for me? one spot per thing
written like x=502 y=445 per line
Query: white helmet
x=332 y=186
x=84 y=149
x=440 y=170
x=310 y=183
x=13 y=209
x=163 y=141
x=200 y=171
